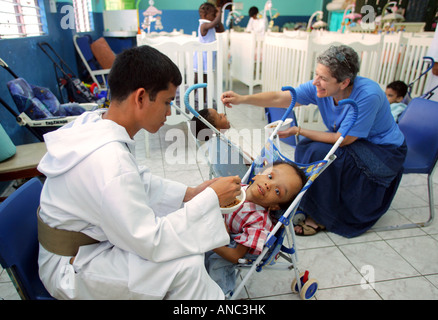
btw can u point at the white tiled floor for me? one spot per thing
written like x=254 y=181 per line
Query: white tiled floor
x=398 y=264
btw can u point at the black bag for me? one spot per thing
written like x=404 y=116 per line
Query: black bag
x=77 y=92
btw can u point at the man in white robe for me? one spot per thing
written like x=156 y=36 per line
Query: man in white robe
x=432 y=81
x=150 y=233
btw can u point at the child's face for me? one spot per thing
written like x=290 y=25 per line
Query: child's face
x=392 y=96
x=219 y=119
x=274 y=187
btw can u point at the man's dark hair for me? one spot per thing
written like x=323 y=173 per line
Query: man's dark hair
x=399 y=87
x=142 y=67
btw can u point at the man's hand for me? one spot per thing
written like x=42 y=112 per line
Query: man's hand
x=227 y=189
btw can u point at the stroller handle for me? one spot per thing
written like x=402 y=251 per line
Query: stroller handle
x=186 y=97
x=353 y=104
x=293 y=93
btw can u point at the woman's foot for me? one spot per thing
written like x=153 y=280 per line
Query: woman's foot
x=308 y=227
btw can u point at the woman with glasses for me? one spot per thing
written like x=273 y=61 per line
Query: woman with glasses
x=358 y=187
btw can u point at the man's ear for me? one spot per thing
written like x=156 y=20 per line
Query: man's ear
x=141 y=97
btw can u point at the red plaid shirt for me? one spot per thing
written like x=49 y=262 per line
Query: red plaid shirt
x=252 y=224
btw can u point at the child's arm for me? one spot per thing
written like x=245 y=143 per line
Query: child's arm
x=208 y=25
x=232 y=254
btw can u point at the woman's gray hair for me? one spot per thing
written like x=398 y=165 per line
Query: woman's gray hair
x=342 y=61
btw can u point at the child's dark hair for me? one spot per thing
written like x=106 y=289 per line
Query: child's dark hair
x=399 y=87
x=142 y=67
x=300 y=173
x=199 y=125
x=253 y=11
x=206 y=8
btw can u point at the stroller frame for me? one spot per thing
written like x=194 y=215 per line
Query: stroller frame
x=216 y=133
x=24 y=120
x=428 y=94
x=274 y=247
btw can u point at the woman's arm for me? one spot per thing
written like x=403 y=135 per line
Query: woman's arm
x=232 y=254
x=273 y=99
x=320 y=136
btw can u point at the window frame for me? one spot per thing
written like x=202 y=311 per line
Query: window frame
x=83 y=8
x=24 y=12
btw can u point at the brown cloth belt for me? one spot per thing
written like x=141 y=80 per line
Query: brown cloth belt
x=61 y=242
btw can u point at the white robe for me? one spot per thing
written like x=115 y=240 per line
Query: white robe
x=152 y=243
x=432 y=81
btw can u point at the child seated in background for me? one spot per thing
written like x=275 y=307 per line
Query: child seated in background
x=249 y=226
x=395 y=92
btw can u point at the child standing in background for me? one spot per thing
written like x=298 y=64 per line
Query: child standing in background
x=209 y=24
x=255 y=24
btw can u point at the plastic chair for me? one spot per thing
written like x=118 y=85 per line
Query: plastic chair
x=419 y=125
x=19 y=240
x=83 y=47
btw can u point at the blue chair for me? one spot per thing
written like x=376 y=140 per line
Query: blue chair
x=19 y=240
x=97 y=73
x=419 y=124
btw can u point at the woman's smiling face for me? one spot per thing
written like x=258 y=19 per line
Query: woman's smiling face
x=326 y=85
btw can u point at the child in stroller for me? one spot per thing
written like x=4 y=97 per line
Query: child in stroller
x=218 y=120
x=249 y=226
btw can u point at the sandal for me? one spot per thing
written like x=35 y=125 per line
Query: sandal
x=308 y=230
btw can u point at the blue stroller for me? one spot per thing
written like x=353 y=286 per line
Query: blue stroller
x=276 y=244
x=39 y=109
x=428 y=94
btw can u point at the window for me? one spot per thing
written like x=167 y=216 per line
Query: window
x=83 y=15
x=21 y=18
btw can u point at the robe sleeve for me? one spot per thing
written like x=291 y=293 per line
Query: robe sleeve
x=130 y=223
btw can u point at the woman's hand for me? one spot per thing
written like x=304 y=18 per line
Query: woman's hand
x=288 y=132
x=230 y=97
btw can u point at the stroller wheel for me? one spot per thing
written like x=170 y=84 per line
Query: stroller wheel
x=309 y=289
x=308 y=286
x=299 y=216
x=294 y=284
